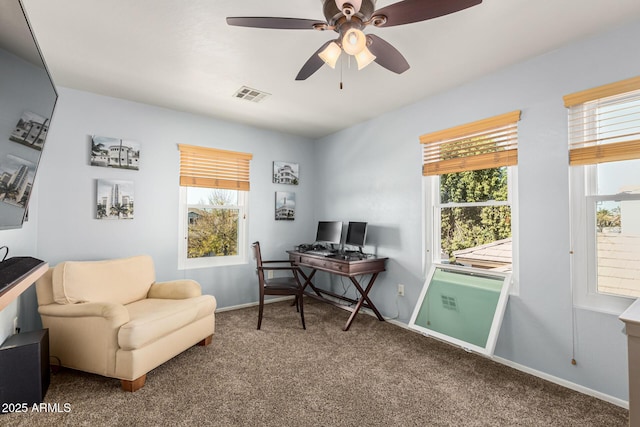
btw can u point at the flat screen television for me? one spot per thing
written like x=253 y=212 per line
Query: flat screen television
x=27 y=101
x=356 y=234
x=329 y=232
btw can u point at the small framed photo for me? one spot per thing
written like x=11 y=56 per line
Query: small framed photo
x=114 y=153
x=114 y=199
x=285 y=173
x=285 y=206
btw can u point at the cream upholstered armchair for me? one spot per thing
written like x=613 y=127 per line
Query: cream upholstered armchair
x=112 y=318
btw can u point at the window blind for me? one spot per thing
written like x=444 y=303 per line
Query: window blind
x=484 y=144
x=604 y=123
x=213 y=168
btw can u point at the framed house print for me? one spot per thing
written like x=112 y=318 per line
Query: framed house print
x=285 y=173
x=114 y=153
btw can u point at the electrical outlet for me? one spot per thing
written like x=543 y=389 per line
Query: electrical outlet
x=269 y=274
x=401 y=290
x=15 y=325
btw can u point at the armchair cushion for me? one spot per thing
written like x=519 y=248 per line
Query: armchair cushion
x=175 y=289
x=114 y=313
x=122 y=281
x=151 y=319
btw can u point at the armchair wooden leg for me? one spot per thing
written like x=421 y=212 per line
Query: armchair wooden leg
x=206 y=341
x=134 y=385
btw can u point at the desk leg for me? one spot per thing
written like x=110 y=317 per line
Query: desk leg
x=307 y=281
x=362 y=299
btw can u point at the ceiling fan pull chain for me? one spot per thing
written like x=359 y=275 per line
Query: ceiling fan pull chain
x=341 y=66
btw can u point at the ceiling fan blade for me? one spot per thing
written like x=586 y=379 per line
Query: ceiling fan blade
x=275 y=23
x=313 y=64
x=409 y=11
x=387 y=56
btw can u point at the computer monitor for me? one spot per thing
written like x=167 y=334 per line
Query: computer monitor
x=329 y=232
x=356 y=234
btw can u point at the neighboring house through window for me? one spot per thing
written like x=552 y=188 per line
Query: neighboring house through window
x=214 y=187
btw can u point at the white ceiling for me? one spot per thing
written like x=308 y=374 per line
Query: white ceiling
x=182 y=55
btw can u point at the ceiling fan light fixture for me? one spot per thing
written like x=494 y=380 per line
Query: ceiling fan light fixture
x=354 y=41
x=330 y=54
x=355 y=3
x=364 y=58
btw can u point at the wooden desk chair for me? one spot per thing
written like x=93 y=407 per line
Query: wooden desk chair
x=289 y=285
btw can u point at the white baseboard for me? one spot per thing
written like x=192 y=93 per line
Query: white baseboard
x=568 y=384
x=551 y=378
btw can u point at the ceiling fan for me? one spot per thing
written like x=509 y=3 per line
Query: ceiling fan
x=348 y=18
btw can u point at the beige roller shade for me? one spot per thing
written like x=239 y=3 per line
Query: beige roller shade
x=484 y=144
x=214 y=168
x=604 y=123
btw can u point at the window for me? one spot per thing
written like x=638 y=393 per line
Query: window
x=214 y=187
x=462 y=306
x=469 y=181
x=604 y=154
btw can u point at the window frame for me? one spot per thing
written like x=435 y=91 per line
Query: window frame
x=584 y=272
x=498 y=314
x=185 y=263
x=587 y=148
x=432 y=233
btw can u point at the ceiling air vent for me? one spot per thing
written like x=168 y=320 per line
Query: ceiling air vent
x=250 y=94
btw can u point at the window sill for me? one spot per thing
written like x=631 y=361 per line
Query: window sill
x=211 y=264
x=615 y=307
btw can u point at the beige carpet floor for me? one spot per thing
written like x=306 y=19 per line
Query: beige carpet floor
x=376 y=374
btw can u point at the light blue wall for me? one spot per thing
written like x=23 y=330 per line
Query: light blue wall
x=373 y=173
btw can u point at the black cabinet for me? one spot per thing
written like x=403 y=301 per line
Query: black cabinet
x=24 y=368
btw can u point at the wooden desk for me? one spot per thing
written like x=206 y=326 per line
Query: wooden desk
x=350 y=268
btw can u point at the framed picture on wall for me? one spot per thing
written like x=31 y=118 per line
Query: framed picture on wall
x=285 y=173
x=114 y=199
x=285 y=206
x=114 y=153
